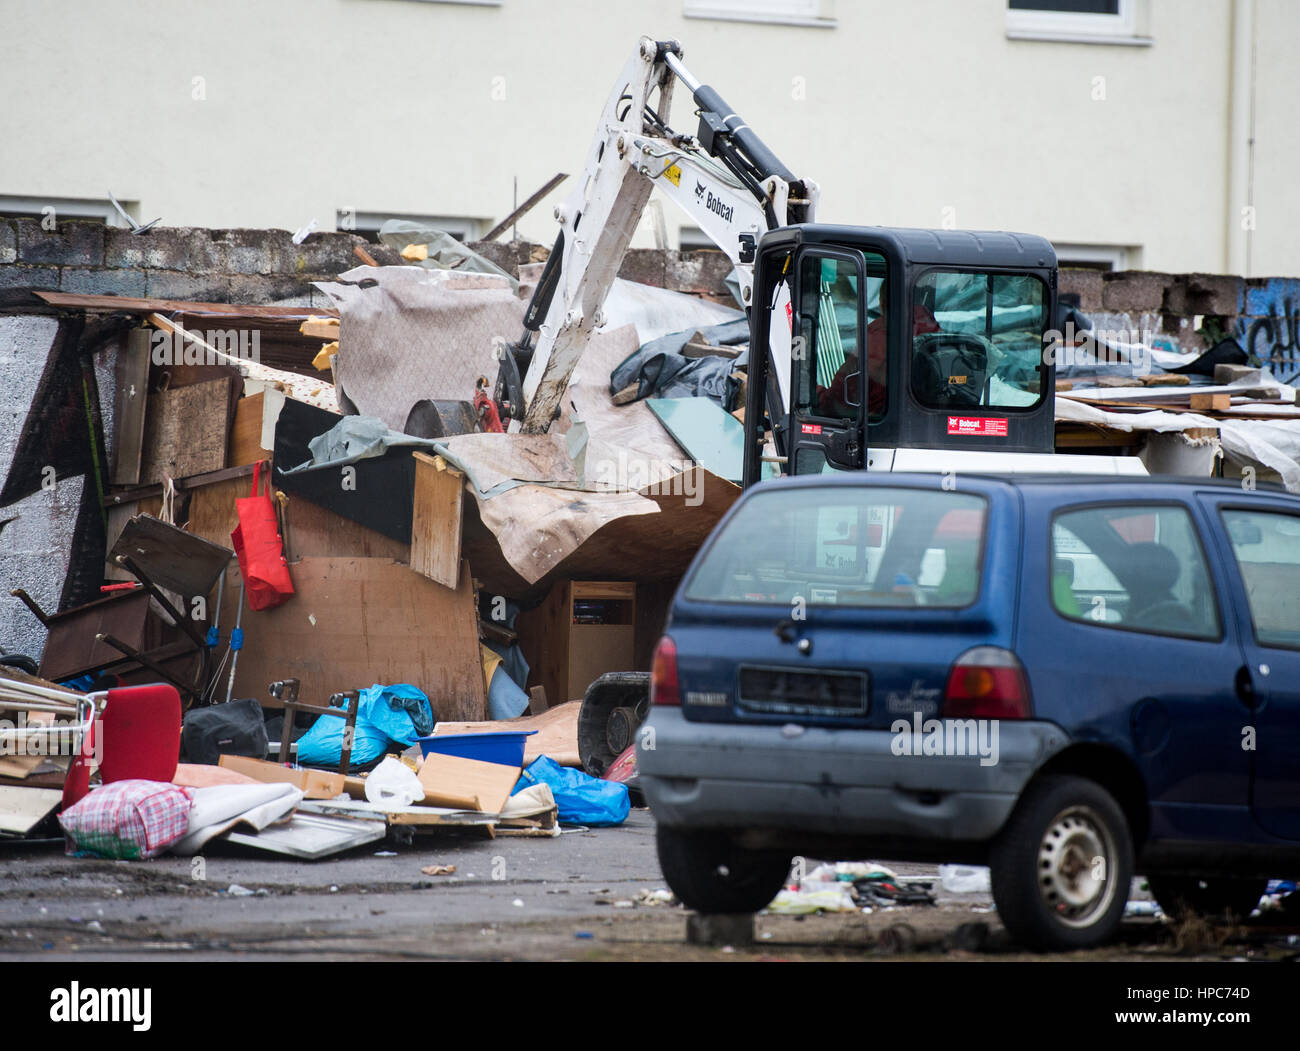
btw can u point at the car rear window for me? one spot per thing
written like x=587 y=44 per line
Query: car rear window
x=836 y=546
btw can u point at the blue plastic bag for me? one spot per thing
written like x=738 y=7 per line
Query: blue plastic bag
x=382 y=716
x=581 y=798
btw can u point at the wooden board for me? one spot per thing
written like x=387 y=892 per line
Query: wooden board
x=172 y=558
x=436 y=521
x=185 y=431
x=246 y=435
x=449 y=780
x=557 y=732
x=22 y=809
x=131 y=374
x=353 y=622
x=315 y=784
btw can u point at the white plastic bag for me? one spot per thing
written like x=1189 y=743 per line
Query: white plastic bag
x=393 y=783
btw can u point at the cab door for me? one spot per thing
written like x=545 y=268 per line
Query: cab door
x=829 y=379
x=1260 y=540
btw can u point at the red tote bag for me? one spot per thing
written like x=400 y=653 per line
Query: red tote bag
x=259 y=548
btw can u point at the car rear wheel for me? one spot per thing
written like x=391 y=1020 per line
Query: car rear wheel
x=1216 y=898
x=1061 y=867
x=709 y=874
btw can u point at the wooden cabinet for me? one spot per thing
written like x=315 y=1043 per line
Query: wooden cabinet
x=582 y=629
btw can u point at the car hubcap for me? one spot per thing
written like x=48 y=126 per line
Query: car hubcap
x=1074 y=867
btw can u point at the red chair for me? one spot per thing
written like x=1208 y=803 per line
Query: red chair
x=138 y=735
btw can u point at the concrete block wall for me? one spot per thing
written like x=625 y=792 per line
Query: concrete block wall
x=1193 y=312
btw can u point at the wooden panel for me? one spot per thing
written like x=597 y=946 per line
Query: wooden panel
x=595 y=649
x=557 y=732
x=354 y=622
x=246 y=435
x=185 y=431
x=132 y=379
x=450 y=781
x=436 y=520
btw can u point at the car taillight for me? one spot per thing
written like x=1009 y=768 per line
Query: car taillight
x=663 y=674
x=987 y=683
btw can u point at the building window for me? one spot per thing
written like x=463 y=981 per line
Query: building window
x=818 y=13
x=1095 y=257
x=1077 y=21
x=62 y=208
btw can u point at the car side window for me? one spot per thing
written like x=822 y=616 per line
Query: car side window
x=1267 y=548
x=1134 y=567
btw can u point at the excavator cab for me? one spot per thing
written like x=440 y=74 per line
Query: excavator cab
x=868 y=340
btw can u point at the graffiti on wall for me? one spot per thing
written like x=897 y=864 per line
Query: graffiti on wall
x=1268 y=329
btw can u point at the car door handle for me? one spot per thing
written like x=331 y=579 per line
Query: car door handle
x=1245 y=687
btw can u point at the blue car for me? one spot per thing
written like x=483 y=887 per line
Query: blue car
x=1068 y=679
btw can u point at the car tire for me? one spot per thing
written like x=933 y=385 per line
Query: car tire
x=1050 y=890
x=709 y=874
x=1234 y=899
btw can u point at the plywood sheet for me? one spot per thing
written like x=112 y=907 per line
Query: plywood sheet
x=353 y=622
x=449 y=780
x=22 y=809
x=556 y=736
x=246 y=435
x=185 y=431
x=131 y=374
x=436 y=521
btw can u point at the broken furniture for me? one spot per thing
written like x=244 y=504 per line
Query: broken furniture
x=588 y=628
x=286 y=692
x=139 y=738
x=140 y=629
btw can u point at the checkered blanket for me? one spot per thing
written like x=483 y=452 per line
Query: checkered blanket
x=128 y=819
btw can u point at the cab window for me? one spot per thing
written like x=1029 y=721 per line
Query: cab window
x=977 y=340
x=828 y=341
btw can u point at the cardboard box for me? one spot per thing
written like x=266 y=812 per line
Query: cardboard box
x=315 y=784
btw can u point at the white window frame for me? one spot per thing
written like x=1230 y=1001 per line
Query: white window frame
x=818 y=14
x=1120 y=257
x=1076 y=28
x=66 y=208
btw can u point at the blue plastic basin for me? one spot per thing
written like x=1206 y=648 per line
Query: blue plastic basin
x=505 y=747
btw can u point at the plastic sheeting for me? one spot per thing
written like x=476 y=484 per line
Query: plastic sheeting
x=659 y=369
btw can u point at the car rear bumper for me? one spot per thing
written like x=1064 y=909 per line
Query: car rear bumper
x=833 y=782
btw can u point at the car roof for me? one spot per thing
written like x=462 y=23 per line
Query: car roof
x=924 y=480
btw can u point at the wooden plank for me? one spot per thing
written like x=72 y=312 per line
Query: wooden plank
x=436 y=520
x=185 y=431
x=315 y=784
x=131 y=305
x=320 y=328
x=132 y=379
x=353 y=622
x=173 y=558
x=557 y=732
x=1213 y=402
x=468 y=784
x=22 y=809
x=246 y=435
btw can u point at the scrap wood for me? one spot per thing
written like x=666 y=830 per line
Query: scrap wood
x=300 y=388
x=438 y=870
x=526 y=207
x=22 y=809
x=320 y=327
x=556 y=736
x=466 y=784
